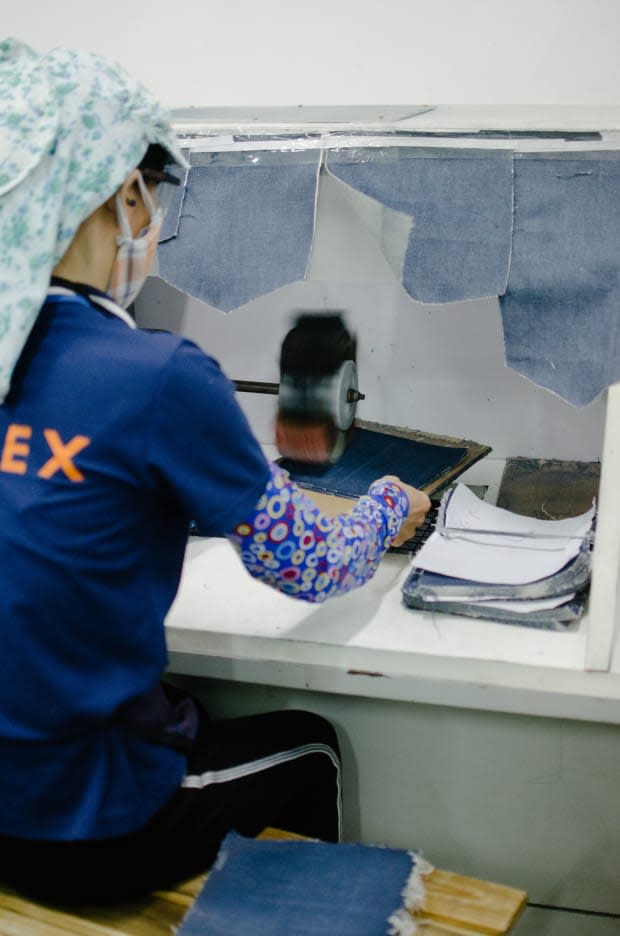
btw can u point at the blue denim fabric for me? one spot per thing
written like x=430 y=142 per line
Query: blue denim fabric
x=425 y=590
x=370 y=455
x=559 y=618
x=461 y=205
x=245 y=226
x=298 y=888
x=561 y=312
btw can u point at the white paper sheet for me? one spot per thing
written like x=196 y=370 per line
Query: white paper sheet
x=532 y=550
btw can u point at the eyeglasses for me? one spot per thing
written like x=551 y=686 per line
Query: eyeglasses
x=166 y=185
x=160 y=175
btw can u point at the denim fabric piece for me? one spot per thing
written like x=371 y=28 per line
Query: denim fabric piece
x=430 y=586
x=299 y=888
x=370 y=455
x=461 y=205
x=558 y=618
x=245 y=228
x=561 y=312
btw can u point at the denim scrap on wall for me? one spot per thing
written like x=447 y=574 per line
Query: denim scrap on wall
x=245 y=226
x=540 y=230
x=460 y=203
x=561 y=312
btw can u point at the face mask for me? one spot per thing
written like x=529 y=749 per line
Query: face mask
x=135 y=255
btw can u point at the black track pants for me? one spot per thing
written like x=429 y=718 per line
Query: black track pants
x=279 y=769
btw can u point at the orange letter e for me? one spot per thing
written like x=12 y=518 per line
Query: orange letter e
x=15 y=449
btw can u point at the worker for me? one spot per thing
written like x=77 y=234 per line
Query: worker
x=112 y=781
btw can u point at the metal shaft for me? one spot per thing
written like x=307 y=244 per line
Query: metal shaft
x=256 y=386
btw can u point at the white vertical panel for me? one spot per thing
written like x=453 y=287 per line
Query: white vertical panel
x=604 y=594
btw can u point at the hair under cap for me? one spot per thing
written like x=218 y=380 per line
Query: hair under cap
x=72 y=127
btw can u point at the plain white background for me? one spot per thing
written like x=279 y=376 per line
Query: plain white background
x=246 y=52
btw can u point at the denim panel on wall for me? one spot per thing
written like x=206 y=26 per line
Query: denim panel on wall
x=561 y=312
x=460 y=202
x=245 y=227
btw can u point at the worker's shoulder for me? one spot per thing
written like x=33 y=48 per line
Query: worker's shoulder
x=103 y=342
x=153 y=345
x=161 y=362
x=159 y=349
x=136 y=347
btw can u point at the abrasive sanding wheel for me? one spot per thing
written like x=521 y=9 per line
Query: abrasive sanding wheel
x=318 y=392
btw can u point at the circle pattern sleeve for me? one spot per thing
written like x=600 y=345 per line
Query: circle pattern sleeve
x=289 y=544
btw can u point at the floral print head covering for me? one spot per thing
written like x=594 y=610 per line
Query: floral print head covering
x=72 y=127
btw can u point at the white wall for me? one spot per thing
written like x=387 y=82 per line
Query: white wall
x=244 y=52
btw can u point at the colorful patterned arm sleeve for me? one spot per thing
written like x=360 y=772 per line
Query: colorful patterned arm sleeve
x=290 y=544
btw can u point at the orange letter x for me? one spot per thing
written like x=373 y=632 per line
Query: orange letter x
x=62 y=455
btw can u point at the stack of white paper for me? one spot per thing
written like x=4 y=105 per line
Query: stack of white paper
x=485 y=561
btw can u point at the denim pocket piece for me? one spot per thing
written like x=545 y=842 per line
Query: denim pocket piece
x=561 y=312
x=539 y=230
x=245 y=225
x=460 y=203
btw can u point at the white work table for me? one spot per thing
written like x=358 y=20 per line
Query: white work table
x=368 y=642
x=226 y=625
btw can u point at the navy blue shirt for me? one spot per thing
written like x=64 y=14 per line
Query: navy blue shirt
x=111 y=439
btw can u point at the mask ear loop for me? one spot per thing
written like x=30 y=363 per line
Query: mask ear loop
x=126 y=233
x=146 y=195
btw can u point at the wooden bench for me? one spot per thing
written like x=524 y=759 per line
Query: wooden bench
x=454 y=905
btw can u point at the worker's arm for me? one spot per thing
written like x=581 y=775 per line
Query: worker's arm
x=288 y=543
x=202 y=450
x=419 y=504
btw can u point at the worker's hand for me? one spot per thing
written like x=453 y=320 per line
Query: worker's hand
x=419 y=504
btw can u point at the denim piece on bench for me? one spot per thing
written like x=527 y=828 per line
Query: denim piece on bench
x=561 y=312
x=304 y=888
x=245 y=227
x=461 y=205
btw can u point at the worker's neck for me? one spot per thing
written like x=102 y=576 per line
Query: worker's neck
x=90 y=256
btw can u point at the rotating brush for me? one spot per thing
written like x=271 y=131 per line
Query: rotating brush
x=317 y=393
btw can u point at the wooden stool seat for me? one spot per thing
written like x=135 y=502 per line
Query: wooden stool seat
x=454 y=904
